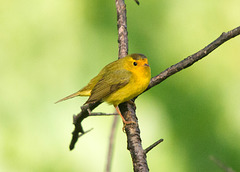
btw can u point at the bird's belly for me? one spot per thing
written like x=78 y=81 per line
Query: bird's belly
x=128 y=92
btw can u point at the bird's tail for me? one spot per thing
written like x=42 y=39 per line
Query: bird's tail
x=70 y=96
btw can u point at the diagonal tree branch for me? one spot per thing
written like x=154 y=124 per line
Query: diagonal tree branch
x=190 y=60
x=153 y=146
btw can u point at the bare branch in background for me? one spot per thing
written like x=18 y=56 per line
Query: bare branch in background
x=111 y=143
x=220 y=164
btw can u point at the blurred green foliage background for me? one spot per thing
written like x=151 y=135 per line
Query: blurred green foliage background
x=49 y=49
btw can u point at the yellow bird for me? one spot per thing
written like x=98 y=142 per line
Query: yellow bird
x=118 y=82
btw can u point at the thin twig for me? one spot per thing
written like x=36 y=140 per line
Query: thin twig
x=111 y=143
x=137 y=2
x=80 y=135
x=152 y=146
x=77 y=121
x=103 y=114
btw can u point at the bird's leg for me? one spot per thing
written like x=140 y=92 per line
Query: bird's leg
x=124 y=121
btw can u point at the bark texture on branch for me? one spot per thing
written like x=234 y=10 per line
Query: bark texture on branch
x=122 y=28
x=134 y=143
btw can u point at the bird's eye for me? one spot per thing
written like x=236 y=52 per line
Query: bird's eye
x=135 y=63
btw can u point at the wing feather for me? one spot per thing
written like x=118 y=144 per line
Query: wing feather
x=109 y=83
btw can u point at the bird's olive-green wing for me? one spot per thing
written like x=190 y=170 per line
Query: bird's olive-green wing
x=109 y=83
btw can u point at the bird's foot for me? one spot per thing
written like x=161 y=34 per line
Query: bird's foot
x=126 y=123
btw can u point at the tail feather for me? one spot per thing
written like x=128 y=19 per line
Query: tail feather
x=69 y=97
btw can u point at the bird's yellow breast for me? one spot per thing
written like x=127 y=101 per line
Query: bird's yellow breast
x=138 y=83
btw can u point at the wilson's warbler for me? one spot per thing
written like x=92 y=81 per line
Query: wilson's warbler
x=118 y=82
